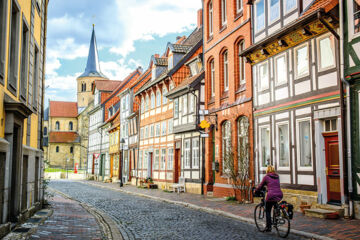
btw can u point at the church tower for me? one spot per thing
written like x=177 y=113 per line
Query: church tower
x=92 y=73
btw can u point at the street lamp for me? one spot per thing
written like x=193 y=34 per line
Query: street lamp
x=122 y=141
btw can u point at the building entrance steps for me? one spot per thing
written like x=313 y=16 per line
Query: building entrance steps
x=302 y=225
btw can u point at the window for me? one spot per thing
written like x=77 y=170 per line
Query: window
x=356 y=16
x=170 y=62
x=330 y=125
x=223 y=12
x=146 y=160
x=170 y=126
x=147 y=103
x=274 y=10
x=71 y=149
x=191 y=103
x=13 y=48
x=226 y=71
x=170 y=159
x=163 y=128
x=141 y=133
x=163 y=159
x=283 y=145
x=164 y=91
x=153 y=73
x=243 y=143
x=142 y=105
x=152 y=131
x=57 y=125
x=35 y=77
x=327 y=52
x=176 y=108
x=146 y=132
x=210 y=19
x=226 y=141
x=45 y=131
x=259 y=15
x=187 y=152
x=290 y=5
x=301 y=61
x=241 y=47
x=280 y=70
x=158 y=98
x=24 y=60
x=3 y=22
x=212 y=77
x=157 y=130
x=185 y=105
x=70 y=126
x=304 y=149
x=152 y=100
x=264 y=146
x=140 y=159
x=239 y=6
x=156 y=160
x=195 y=152
x=263 y=76
x=57 y=149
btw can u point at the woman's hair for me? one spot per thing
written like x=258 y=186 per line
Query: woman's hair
x=270 y=169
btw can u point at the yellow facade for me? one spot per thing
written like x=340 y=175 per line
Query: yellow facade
x=60 y=155
x=85 y=97
x=64 y=124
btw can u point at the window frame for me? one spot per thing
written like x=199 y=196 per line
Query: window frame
x=156 y=159
x=243 y=135
x=260 y=82
x=225 y=140
x=278 y=125
x=225 y=56
x=298 y=149
x=291 y=9
x=241 y=63
x=3 y=40
x=297 y=76
x=170 y=158
x=269 y=12
x=163 y=159
x=163 y=129
x=164 y=98
x=239 y=9
x=256 y=30
x=212 y=77
x=152 y=100
x=195 y=164
x=223 y=8
x=211 y=18
x=332 y=43
x=187 y=153
x=158 y=98
x=262 y=167
x=282 y=55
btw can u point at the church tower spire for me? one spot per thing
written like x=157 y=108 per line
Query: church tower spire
x=92 y=72
x=93 y=65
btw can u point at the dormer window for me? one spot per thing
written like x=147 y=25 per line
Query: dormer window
x=153 y=73
x=170 y=62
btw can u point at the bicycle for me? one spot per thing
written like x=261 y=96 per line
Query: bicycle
x=282 y=213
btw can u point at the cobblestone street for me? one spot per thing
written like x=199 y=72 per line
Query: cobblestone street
x=141 y=218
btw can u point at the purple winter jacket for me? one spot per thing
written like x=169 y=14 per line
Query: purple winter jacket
x=272 y=182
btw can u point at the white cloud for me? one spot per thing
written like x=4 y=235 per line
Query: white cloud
x=118 y=70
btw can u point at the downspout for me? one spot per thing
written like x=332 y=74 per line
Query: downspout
x=339 y=46
x=138 y=142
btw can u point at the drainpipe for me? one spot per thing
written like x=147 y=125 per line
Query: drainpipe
x=138 y=142
x=339 y=46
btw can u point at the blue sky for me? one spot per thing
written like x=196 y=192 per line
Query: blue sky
x=128 y=32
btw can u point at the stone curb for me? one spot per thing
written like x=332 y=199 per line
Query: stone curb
x=108 y=226
x=209 y=210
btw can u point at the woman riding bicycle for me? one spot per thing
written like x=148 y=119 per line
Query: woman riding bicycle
x=274 y=193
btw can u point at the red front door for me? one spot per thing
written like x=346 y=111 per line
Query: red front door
x=332 y=167
x=177 y=168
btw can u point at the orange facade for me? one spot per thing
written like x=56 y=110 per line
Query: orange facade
x=229 y=88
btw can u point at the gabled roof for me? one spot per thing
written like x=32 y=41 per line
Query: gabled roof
x=63 y=109
x=194 y=37
x=161 y=61
x=327 y=5
x=93 y=66
x=178 y=48
x=106 y=85
x=63 y=137
x=189 y=82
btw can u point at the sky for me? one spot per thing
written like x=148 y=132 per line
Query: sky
x=128 y=32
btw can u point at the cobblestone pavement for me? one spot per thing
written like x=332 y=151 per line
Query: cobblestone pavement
x=336 y=229
x=142 y=218
x=69 y=221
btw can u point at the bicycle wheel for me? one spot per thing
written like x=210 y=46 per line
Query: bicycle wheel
x=260 y=217
x=282 y=225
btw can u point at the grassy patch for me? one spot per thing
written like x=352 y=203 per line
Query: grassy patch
x=62 y=170
x=231 y=198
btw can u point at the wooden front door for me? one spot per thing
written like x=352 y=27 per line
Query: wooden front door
x=93 y=165
x=111 y=165
x=332 y=167
x=177 y=168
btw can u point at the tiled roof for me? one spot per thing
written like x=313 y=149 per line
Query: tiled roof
x=194 y=37
x=63 y=137
x=327 y=5
x=185 y=83
x=63 y=109
x=106 y=85
x=180 y=48
x=161 y=61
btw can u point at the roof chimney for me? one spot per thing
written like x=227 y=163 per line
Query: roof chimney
x=199 y=18
x=178 y=38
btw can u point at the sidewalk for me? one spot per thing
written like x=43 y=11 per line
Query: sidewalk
x=69 y=221
x=307 y=226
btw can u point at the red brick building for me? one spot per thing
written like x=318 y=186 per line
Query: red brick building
x=228 y=98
